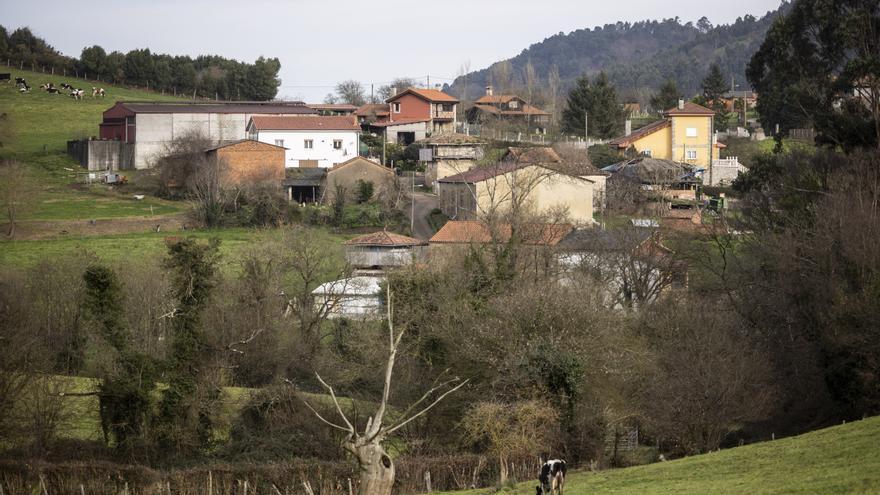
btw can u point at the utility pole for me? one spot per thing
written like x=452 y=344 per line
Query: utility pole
x=372 y=96
x=412 y=214
x=586 y=128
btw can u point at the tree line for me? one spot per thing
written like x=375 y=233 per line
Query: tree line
x=206 y=76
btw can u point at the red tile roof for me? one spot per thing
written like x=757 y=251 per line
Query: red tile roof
x=386 y=239
x=690 y=108
x=474 y=231
x=335 y=123
x=431 y=95
x=525 y=110
x=377 y=109
x=625 y=141
x=496 y=98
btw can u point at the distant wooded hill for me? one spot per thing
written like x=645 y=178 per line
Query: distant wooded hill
x=207 y=76
x=637 y=57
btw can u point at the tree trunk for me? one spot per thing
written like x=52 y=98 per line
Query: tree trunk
x=377 y=469
x=502 y=469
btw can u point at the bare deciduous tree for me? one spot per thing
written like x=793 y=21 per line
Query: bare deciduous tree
x=366 y=444
x=511 y=429
x=350 y=91
x=16 y=192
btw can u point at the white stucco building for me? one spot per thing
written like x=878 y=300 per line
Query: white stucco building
x=311 y=141
x=135 y=134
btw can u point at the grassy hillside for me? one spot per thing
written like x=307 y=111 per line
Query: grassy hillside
x=44 y=122
x=41 y=124
x=841 y=459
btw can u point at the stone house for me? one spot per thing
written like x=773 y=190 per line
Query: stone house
x=248 y=161
x=345 y=176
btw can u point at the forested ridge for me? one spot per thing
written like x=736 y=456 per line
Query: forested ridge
x=637 y=57
x=207 y=76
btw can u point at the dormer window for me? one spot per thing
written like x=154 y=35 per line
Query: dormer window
x=513 y=104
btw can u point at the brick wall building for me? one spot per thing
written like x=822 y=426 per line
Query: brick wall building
x=250 y=161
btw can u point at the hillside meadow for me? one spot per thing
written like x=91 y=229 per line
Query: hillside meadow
x=840 y=459
x=40 y=125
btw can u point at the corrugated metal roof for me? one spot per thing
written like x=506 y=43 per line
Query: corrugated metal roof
x=263 y=107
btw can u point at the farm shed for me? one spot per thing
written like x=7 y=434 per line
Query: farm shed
x=149 y=127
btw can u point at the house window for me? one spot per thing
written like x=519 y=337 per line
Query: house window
x=646 y=152
x=395 y=107
x=513 y=104
x=279 y=142
x=691 y=132
x=308 y=144
x=337 y=144
x=447 y=107
x=691 y=154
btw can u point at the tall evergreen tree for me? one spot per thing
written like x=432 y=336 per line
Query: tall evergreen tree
x=598 y=102
x=819 y=67
x=667 y=97
x=714 y=86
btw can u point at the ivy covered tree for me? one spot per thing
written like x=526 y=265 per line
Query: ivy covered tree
x=185 y=416
x=714 y=86
x=597 y=101
x=125 y=392
x=667 y=97
x=819 y=67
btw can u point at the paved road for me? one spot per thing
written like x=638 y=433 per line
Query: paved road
x=423 y=203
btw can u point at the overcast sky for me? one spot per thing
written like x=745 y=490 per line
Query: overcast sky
x=322 y=42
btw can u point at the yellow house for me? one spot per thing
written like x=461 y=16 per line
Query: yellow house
x=685 y=135
x=486 y=192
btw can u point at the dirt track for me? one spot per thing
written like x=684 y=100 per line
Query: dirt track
x=51 y=229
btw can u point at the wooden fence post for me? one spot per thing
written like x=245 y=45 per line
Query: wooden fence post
x=210 y=479
x=428 y=481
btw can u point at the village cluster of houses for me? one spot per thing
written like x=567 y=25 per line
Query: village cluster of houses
x=315 y=151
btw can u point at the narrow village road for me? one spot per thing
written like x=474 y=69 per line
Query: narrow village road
x=423 y=204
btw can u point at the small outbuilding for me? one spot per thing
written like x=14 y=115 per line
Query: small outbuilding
x=247 y=161
x=353 y=297
x=384 y=250
x=346 y=176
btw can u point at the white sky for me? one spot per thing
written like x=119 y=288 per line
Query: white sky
x=322 y=42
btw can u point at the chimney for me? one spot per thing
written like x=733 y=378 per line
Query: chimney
x=628 y=127
x=680 y=104
x=488 y=90
x=393 y=90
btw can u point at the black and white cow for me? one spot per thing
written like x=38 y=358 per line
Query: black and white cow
x=77 y=94
x=552 y=478
x=97 y=92
x=24 y=88
x=66 y=86
x=20 y=81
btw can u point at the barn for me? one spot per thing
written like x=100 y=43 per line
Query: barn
x=143 y=130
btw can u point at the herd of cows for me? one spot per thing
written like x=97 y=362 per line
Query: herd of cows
x=75 y=93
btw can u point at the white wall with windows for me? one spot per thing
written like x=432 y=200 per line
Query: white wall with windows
x=313 y=147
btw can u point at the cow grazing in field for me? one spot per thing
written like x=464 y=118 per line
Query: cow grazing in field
x=97 y=92
x=551 y=478
x=77 y=94
x=24 y=88
x=66 y=86
x=20 y=81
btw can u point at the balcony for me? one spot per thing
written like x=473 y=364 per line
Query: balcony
x=444 y=115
